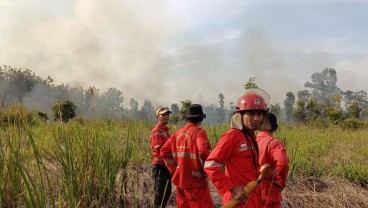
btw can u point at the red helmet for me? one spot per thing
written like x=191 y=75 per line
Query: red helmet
x=251 y=101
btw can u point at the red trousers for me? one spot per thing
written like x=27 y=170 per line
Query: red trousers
x=193 y=198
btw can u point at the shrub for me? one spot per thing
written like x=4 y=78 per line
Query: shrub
x=352 y=124
x=63 y=110
x=18 y=114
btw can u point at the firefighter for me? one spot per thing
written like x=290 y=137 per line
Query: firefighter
x=273 y=152
x=184 y=155
x=161 y=175
x=237 y=150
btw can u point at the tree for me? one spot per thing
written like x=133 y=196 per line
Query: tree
x=175 y=117
x=250 y=84
x=275 y=109
x=354 y=110
x=63 y=110
x=304 y=95
x=16 y=83
x=221 y=109
x=356 y=103
x=323 y=86
x=300 y=111
x=147 y=110
x=313 y=110
x=289 y=106
x=334 y=115
x=112 y=99
x=133 y=104
x=174 y=109
x=183 y=107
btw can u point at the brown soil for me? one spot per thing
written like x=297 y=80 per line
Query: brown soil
x=300 y=192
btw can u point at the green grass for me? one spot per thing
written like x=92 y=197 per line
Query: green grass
x=76 y=164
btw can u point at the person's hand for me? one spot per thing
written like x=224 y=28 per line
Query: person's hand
x=238 y=193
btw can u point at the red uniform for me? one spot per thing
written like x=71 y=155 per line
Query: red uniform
x=239 y=155
x=184 y=154
x=159 y=135
x=161 y=175
x=272 y=151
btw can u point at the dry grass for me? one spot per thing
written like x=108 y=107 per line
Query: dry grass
x=299 y=193
x=326 y=192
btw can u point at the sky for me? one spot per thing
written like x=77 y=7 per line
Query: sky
x=167 y=51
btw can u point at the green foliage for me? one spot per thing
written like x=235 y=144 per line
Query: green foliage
x=63 y=110
x=183 y=107
x=174 y=119
x=318 y=122
x=300 y=111
x=19 y=115
x=354 y=110
x=289 y=106
x=76 y=164
x=250 y=84
x=334 y=115
x=323 y=86
x=353 y=124
x=275 y=109
x=354 y=172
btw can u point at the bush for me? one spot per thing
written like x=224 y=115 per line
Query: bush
x=63 y=110
x=18 y=114
x=352 y=124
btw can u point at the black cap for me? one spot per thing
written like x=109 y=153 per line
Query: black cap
x=194 y=110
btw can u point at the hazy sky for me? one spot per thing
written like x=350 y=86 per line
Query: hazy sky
x=171 y=50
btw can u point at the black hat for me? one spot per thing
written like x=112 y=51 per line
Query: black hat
x=273 y=121
x=194 y=110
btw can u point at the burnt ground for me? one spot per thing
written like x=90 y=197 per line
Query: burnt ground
x=300 y=192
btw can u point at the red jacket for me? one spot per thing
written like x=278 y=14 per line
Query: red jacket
x=239 y=155
x=159 y=135
x=184 y=154
x=273 y=152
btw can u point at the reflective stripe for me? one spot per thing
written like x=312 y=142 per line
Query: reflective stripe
x=212 y=164
x=184 y=154
x=168 y=162
x=197 y=174
x=247 y=148
x=159 y=133
x=157 y=158
x=154 y=134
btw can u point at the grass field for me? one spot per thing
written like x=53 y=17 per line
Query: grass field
x=107 y=164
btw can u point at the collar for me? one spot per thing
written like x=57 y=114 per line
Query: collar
x=264 y=134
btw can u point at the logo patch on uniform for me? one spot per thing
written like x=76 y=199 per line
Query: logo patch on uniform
x=257 y=101
x=243 y=144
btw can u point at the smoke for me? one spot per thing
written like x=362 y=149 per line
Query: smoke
x=165 y=51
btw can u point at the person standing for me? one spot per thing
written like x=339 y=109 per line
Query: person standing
x=237 y=150
x=184 y=155
x=161 y=175
x=272 y=151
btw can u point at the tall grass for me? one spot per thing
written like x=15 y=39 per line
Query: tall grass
x=327 y=152
x=107 y=163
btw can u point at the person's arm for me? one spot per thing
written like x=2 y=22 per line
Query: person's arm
x=282 y=164
x=167 y=156
x=156 y=144
x=203 y=145
x=215 y=162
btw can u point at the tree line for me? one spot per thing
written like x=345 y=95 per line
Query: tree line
x=24 y=87
x=322 y=102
